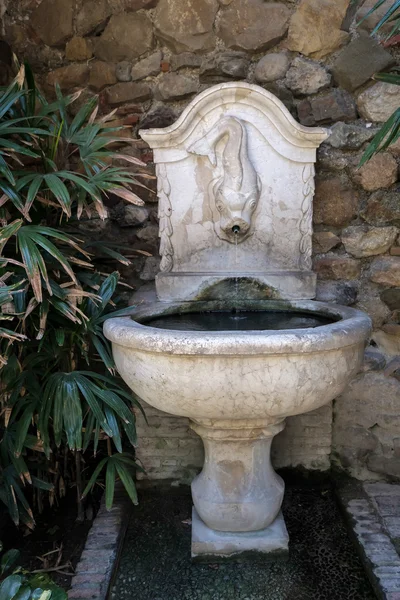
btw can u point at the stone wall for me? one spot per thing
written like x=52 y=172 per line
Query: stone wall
x=147 y=59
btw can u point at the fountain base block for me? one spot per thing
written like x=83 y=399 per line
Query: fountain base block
x=209 y=545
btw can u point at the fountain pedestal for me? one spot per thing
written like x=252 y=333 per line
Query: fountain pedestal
x=211 y=546
x=237 y=496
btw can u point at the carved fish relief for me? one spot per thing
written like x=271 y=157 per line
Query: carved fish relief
x=236 y=192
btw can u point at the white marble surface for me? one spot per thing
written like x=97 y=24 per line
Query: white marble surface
x=235 y=157
x=237 y=387
x=217 y=546
x=236 y=161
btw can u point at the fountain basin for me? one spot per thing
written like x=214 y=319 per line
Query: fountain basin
x=239 y=375
x=237 y=387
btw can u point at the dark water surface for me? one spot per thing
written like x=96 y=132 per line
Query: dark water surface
x=239 y=321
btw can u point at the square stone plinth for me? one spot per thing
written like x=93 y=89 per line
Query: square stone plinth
x=209 y=545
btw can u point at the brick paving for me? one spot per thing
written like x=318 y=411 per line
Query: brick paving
x=374 y=511
x=94 y=572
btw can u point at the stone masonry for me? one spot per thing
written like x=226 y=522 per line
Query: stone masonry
x=146 y=59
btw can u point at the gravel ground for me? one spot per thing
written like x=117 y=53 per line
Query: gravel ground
x=323 y=564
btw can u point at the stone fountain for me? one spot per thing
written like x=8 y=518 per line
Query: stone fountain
x=235 y=341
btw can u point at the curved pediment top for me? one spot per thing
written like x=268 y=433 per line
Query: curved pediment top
x=240 y=94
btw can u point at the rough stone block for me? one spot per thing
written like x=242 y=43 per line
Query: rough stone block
x=378 y=102
x=160 y=116
x=185 y=60
x=350 y=136
x=101 y=74
x=338 y=292
x=52 y=20
x=386 y=270
x=362 y=241
x=335 y=202
x=272 y=67
x=381 y=208
x=337 y=267
x=186 y=27
x=69 y=77
x=79 y=48
x=316 y=30
x=175 y=86
x=307 y=77
x=359 y=61
x=336 y=105
x=391 y=297
x=373 y=361
x=147 y=66
x=127 y=36
x=380 y=172
x=224 y=67
x=127 y=92
x=323 y=241
x=254 y=26
x=93 y=14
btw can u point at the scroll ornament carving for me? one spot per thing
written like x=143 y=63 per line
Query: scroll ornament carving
x=305 y=224
x=164 y=215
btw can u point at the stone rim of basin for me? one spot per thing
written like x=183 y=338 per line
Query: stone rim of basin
x=351 y=327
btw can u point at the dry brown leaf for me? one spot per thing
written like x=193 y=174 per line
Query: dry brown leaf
x=127 y=195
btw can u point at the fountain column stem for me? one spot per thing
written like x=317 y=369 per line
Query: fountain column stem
x=238 y=489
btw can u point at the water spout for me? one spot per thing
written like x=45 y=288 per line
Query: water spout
x=236 y=229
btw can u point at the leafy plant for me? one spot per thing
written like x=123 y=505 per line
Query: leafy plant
x=54 y=296
x=390 y=131
x=18 y=584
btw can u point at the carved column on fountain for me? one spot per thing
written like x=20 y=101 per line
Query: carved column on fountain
x=238 y=489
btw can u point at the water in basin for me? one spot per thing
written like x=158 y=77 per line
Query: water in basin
x=239 y=321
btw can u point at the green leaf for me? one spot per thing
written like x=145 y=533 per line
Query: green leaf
x=393 y=78
x=23 y=424
x=60 y=191
x=386 y=17
x=32 y=92
x=24 y=593
x=42 y=485
x=89 y=426
x=10 y=587
x=72 y=409
x=40 y=594
x=387 y=135
x=128 y=481
x=110 y=484
x=43 y=582
x=85 y=388
x=103 y=353
x=94 y=477
x=9 y=230
x=8 y=560
x=83 y=115
x=113 y=424
x=32 y=191
x=60 y=336
x=30 y=239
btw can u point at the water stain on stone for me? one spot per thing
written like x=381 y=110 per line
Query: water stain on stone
x=242 y=288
